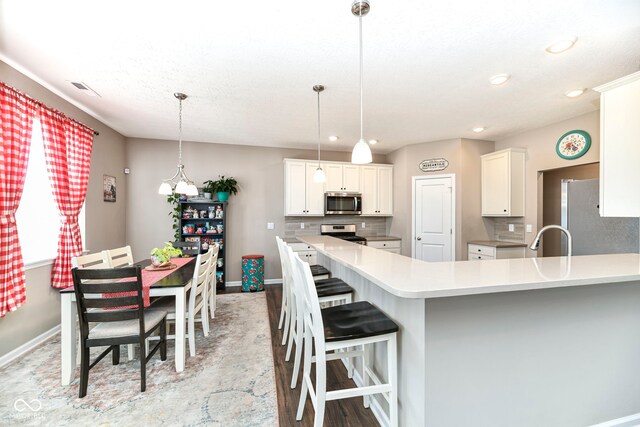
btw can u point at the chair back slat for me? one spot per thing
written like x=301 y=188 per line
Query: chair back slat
x=120 y=256
x=111 y=302
x=104 y=287
x=95 y=260
x=111 y=315
x=188 y=248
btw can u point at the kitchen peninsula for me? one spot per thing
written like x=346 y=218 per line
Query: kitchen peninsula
x=527 y=342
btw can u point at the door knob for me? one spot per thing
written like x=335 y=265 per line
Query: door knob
x=418 y=238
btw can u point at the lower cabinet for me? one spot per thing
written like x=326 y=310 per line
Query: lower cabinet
x=483 y=252
x=386 y=245
x=305 y=252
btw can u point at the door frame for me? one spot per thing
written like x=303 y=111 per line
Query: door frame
x=414 y=181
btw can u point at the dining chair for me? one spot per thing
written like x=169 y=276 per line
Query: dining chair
x=119 y=319
x=329 y=291
x=212 y=285
x=120 y=256
x=197 y=301
x=188 y=248
x=343 y=327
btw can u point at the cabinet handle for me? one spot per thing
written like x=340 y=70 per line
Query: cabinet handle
x=505 y=210
x=479 y=250
x=418 y=238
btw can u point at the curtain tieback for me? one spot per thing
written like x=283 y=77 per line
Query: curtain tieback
x=7 y=218
x=69 y=219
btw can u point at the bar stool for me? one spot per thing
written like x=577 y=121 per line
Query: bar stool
x=329 y=291
x=339 y=328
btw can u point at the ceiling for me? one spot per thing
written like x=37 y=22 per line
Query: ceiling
x=249 y=66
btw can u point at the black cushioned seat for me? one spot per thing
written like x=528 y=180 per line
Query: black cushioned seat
x=330 y=280
x=355 y=320
x=331 y=289
x=318 y=270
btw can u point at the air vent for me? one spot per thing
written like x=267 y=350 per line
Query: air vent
x=84 y=88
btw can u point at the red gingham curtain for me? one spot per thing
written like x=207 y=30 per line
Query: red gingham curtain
x=16 y=122
x=67 y=149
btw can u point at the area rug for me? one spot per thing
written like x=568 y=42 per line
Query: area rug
x=230 y=381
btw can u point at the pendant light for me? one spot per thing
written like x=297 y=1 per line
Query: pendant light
x=361 y=151
x=183 y=185
x=319 y=175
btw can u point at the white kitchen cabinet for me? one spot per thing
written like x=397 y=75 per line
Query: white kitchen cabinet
x=302 y=196
x=342 y=177
x=620 y=147
x=392 y=246
x=377 y=190
x=305 y=252
x=503 y=182
x=478 y=252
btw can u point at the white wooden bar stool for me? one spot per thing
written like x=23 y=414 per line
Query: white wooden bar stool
x=340 y=328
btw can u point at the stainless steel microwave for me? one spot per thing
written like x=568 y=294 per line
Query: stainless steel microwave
x=342 y=203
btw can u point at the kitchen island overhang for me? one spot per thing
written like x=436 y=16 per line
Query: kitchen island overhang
x=549 y=341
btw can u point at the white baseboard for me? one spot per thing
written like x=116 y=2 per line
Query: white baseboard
x=375 y=407
x=628 y=421
x=266 y=282
x=28 y=346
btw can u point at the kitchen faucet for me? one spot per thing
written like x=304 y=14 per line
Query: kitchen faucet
x=536 y=242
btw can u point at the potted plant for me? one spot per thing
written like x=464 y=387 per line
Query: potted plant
x=223 y=186
x=162 y=256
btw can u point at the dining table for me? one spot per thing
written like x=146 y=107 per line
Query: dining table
x=174 y=285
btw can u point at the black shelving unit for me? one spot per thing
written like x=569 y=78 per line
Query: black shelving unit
x=207 y=230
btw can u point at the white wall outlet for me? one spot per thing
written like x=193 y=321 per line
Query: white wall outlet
x=302 y=225
x=512 y=227
x=364 y=225
x=270 y=226
x=529 y=228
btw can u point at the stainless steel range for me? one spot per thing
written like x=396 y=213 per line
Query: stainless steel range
x=342 y=231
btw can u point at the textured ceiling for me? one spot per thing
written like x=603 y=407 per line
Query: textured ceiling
x=249 y=66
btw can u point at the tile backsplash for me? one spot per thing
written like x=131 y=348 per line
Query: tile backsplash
x=374 y=226
x=502 y=233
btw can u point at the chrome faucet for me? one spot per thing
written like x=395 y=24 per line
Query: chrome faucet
x=536 y=242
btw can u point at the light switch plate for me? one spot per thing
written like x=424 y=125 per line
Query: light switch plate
x=512 y=227
x=529 y=228
x=364 y=225
x=269 y=226
x=302 y=225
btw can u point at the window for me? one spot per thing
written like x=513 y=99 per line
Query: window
x=37 y=216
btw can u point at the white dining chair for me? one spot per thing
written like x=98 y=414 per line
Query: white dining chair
x=212 y=286
x=197 y=301
x=120 y=256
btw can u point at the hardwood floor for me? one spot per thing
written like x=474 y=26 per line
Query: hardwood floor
x=344 y=412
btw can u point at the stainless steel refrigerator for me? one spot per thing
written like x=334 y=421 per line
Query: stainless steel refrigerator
x=591 y=233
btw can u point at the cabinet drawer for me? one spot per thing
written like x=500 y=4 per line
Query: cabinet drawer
x=296 y=247
x=384 y=244
x=479 y=257
x=482 y=250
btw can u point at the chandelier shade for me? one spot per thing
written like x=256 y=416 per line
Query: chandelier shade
x=183 y=185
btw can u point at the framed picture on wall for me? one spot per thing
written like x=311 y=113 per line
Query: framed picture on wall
x=109 y=188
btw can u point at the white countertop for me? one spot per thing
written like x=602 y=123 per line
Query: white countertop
x=411 y=278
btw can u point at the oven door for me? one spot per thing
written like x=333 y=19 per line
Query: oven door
x=342 y=204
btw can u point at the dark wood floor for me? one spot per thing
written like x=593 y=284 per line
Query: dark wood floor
x=344 y=412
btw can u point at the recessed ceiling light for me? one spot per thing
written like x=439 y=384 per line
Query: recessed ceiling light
x=561 y=45
x=333 y=138
x=373 y=141
x=574 y=93
x=499 y=79
x=478 y=129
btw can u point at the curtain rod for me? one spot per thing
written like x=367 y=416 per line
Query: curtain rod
x=41 y=104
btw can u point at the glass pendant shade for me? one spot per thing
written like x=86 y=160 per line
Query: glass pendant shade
x=181 y=187
x=165 y=189
x=361 y=153
x=192 y=190
x=319 y=175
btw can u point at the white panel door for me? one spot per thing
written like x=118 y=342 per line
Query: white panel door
x=369 y=189
x=351 y=178
x=385 y=190
x=433 y=219
x=334 y=176
x=314 y=192
x=295 y=188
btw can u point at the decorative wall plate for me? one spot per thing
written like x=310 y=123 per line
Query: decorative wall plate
x=573 y=144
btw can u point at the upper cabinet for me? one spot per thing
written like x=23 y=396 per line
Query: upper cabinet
x=302 y=196
x=620 y=147
x=342 y=177
x=503 y=190
x=377 y=190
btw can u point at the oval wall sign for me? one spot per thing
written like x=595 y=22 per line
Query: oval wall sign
x=432 y=165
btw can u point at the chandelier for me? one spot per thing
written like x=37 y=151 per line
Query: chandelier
x=179 y=183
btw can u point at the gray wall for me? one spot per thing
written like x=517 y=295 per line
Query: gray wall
x=105 y=222
x=260 y=174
